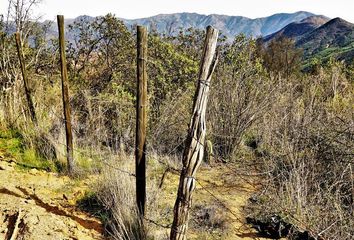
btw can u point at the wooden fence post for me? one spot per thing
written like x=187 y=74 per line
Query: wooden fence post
x=141 y=119
x=194 y=148
x=24 y=77
x=65 y=93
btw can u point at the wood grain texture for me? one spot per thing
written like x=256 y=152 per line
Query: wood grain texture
x=30 y=104
x=65 y=95
x=194 y=148
x=141 y=119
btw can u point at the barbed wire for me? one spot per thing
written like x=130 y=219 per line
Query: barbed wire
x=174 y=171
x=169 y=168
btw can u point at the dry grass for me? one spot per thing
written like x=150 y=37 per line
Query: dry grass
x=301 y=130
x=307 y=149
x=209 y=219
x=116 y=191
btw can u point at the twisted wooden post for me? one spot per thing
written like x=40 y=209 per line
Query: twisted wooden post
x=24 y=77
x=65 y=94
x=194 y=148
x=141 y=119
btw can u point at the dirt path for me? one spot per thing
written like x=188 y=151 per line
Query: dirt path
x=218 y=188
x=33 y=206
x=232 y=193
x=39 y=205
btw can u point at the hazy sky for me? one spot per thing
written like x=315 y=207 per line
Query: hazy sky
x=145 y=8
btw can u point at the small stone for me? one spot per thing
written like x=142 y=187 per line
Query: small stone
x=6 y=166
x=33 y=219
x=71 y=224
x=34 y=171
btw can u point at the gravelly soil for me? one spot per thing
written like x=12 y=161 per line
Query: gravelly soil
x=40 y=205
x=33 y=206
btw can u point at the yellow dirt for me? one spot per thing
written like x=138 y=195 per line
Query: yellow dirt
x=233 y=192
x=44 y=202
x=221 y=187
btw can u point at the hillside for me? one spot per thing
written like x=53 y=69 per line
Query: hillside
x=297 y=29
x=121 y=132
x=320 y=38
x=31 y=197
x=336 y=35
x=317 y=35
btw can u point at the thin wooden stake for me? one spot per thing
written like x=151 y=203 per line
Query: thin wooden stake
x=141 y=119
x=24 y=77
x=194 y=148
x=65 y=93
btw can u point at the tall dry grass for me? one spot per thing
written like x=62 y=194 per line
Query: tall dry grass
x=307 y=152
x=115 y=189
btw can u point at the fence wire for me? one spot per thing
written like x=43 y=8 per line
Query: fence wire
x=168 y=167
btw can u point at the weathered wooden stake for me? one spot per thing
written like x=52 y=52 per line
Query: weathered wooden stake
x=194 y=148
x=141 y=119
x=24 y=77
x=65 y=93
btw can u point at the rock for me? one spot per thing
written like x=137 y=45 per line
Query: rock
x=5 y=166
x=71 y=224
x=34 y=171
x=32 y=219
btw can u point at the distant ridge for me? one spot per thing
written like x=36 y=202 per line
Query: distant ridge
x=320 y=37
x=316 y=34
x=336 y=32
x=228 y=25
x=297 y=29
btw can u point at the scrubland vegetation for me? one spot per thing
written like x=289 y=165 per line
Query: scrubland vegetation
x=291 y=130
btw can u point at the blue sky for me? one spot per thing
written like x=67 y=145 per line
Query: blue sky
x=145 y=8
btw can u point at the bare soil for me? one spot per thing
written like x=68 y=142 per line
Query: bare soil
x=39 y=205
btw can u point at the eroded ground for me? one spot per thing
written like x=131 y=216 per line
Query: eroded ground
x=40 y=205
x=218 y=204
x=35 y=204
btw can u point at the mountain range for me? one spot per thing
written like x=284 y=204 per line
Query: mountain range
x=228 y=25
x=298 y=28
x=320 y=37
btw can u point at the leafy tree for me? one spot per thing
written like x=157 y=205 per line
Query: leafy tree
x=102 y=58
x=281 y=56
